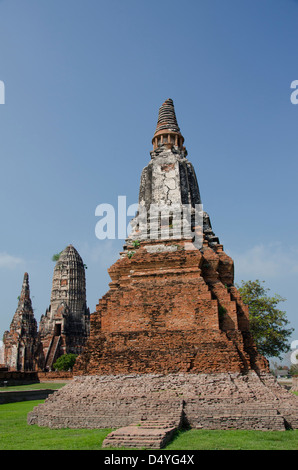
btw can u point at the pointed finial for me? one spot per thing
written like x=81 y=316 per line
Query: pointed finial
x=24 y=297
x=25 y=292
x=167 y=117
x=167 y=130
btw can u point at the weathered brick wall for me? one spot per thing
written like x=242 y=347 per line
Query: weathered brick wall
x=17 y=377
x=209 y=401
x=169 y=311
x=55 y=375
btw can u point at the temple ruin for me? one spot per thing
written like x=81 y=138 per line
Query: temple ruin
x=20 y=342
x=63 y=329
x=171 y=307
x=170 y=341
x=65 y=326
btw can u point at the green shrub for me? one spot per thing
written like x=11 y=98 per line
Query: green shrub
x=65 y=362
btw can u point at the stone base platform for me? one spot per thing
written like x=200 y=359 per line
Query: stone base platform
x=202 y=401
x=146 y=434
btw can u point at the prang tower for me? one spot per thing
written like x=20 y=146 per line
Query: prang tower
x=65 y=326
x=20 y=341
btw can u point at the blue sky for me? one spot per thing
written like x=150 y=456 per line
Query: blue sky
x=83 y=84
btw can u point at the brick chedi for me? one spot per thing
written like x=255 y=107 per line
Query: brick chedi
x=170 y=340
x=65 y=326
x=20 y=341
x=171 y=306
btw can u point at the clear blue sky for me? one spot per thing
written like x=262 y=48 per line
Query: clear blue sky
x=83 y=84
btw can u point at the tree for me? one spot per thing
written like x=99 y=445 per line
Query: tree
x=65 y=362
x=267 y=323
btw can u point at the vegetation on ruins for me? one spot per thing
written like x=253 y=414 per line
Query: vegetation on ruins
x=221 y=312
x=65 y=362
x=268 y=324
x=56 y=256
x=135 y=244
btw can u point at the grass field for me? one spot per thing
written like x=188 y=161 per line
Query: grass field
x=38 y=386
x=15 y=434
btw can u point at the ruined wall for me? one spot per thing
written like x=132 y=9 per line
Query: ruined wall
x=203 y=401
x=169 y=311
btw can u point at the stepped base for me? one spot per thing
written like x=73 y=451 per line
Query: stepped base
x=202 y=401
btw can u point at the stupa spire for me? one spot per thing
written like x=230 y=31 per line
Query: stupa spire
x=24 y=298
x=167 y=130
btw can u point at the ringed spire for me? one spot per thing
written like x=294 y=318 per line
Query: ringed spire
x=167 y=130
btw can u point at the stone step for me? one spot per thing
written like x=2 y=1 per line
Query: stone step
x=151 y=434
x=153 y=425
x=136 y=444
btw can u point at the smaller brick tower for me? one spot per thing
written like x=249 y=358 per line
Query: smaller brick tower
x=20 y=340
x=65 y=326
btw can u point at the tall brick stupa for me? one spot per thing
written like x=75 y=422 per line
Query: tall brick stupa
x=172 y=306
x=170 y=339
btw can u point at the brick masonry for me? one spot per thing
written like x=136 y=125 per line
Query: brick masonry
x=209 y=401
x=172 y=306
x=145 y=434
x=170 y=311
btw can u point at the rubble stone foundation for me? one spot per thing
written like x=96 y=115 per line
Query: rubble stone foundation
x=208 y=401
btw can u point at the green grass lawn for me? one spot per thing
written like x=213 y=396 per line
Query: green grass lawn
x=37 y=386
x=197 y=439
x=15 y=434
